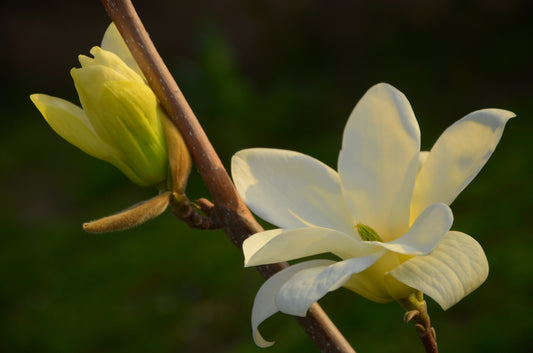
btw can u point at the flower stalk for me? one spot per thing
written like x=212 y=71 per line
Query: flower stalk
x=416 y=310
x=228 y=211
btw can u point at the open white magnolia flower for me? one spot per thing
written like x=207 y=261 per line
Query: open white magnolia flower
x=385 y=214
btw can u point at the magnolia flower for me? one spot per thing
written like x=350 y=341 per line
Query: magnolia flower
x=121 y=121
x=385 y=214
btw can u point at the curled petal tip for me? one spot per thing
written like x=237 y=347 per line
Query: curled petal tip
x=260 y=341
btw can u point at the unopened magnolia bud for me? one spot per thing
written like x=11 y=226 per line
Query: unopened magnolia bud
x=121 y=120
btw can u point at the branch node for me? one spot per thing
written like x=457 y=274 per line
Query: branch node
x=206 y=206
x=420 y=329
x=183 y=209
x=433 y=333
x=409 y=315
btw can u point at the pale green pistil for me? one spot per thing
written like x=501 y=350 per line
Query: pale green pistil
x=367 y=234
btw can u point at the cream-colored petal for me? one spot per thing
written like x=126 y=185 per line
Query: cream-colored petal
x=290 y=189
x=264 y=303
x=114 y=43
x=454 y=269
x=429 y=228
x=457 y=157
x=422 y=158
x=379 y=160
x=371 y=283
x=309 y=285
x=279 y=245
x=70 y=122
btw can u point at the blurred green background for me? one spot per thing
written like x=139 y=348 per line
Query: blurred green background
x=282 y=74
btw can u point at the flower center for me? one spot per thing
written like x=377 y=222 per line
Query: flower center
x=367 y=233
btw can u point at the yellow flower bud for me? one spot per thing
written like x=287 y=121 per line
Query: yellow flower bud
x=121 y=120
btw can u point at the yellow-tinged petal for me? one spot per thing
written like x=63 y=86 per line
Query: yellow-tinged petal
x=93 y=76
x=112 y=61
x=379 y=160
x=114 y=43
x=134 y=123
x=70 y=122
x=371 y=284
x=85 y=60
x=454 y=269
x=309 y=285
x=457 y=157
x=126 y=115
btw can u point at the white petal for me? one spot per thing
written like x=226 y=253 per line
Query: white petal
x=264 y=303
x=288 y=244
x=429 y=228
x=457 y=157
x=379 y=160
x=290 y=189
x=309 y=285
x=454 y=269
x=422 y=158
x=114 y=43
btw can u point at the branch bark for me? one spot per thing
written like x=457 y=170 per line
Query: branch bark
x=229 y=210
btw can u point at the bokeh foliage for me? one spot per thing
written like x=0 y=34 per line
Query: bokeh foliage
x=257 y=73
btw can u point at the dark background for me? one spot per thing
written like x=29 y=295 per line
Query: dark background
x=282 y=74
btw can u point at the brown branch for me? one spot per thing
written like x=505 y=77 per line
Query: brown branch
x=235 y=218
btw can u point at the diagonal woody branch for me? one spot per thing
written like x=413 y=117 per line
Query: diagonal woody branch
x=229 y=210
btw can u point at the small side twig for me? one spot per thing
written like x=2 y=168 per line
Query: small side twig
x=185 y=210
